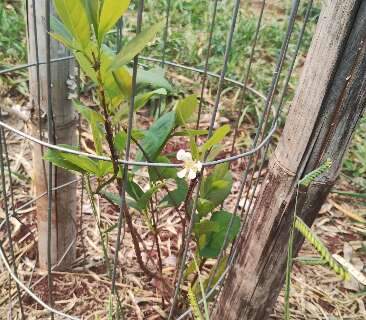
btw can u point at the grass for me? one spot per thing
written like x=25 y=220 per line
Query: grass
x=12 y=33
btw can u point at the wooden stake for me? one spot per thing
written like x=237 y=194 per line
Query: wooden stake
x=329 y=101
x=64 y=119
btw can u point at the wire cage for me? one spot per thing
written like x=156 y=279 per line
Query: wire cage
x=220 y=62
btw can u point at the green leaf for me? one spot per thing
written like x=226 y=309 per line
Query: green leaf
x=55 y=157
x=123 y=79
x=138 y=134
x=156 y=137
x=158 y=173
x=143 y=98
x=205 y=227
x=217 y=185
x=111 y=11
x=95 y=120
x=154 y=77
x=134 y=190
x=216 y=138
x=118 y=84
x=92 y=11
x=85 y=66
x=212 y=242
x=61 y=33
x=135 y=46
x=120 y=141
x=185 y=109
x=205 y=206
x=104 y=168
x=82 y=162
x=73 y=14
x=177 y=196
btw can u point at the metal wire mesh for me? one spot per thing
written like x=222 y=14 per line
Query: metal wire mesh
x=252 y=160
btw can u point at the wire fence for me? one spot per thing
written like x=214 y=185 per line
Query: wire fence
x=252 y=160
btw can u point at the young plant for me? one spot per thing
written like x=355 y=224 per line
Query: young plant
x=82 y=27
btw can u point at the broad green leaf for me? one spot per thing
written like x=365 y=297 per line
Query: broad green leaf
x=135 y=46
x=92 y=10
x=56 y=157
x=95 y=120
x=133 y=189
x=186 y=109
x=177 y=196
x=61 y=34
x=217 y=185
x=123 y=79
x=143 y=98
x=87 y=112
x=158 y=173
x=62 y=40
x=216 y=138
x=118 y=84
x=104 y=168
x=205 y=227
x=120 y=141
x=73 y=14
x=211 y=244
x=111 y=11
x=205 y=206
x=85 y=66
x=156 y=137
x=154 y=78
x=215 y=151
x=83 y=162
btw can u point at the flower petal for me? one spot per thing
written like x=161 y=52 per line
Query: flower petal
x=187 y=156
x=181 y=174
x=191 y=174
x=199 y=165
x=181 y=155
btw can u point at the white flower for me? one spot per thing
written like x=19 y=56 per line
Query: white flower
x=191 y=167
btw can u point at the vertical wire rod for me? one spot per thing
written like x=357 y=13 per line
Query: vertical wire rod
x=166 y=31
x=38 y=78
x=51 y=140
x=205 y=70
x=289 y=33
x=210 y=132
x=7 y=218
x=127 y=152
x=262 y=125
x=246 y=76
x=284 y=91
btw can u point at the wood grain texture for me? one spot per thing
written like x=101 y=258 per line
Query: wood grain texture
x=64 y=201
x=330 y=100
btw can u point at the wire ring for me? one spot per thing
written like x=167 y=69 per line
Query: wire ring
x=138 y=163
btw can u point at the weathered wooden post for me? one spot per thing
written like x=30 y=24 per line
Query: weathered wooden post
x=330 y=99
x=63 y=231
